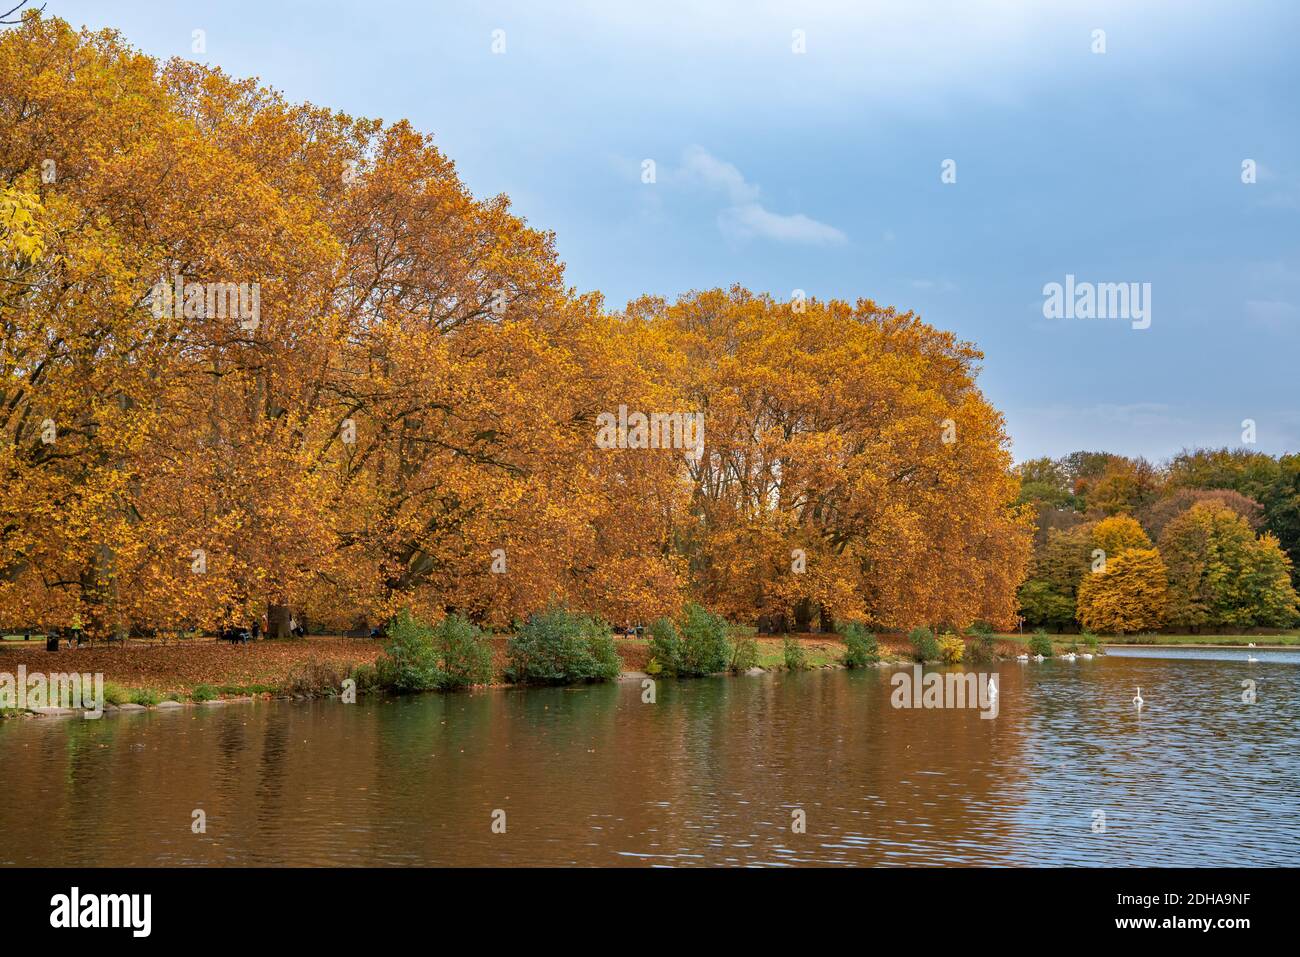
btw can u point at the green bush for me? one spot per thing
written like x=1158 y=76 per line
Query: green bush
x=464 y=655
x=1040 y=644
x=924 y=645
x=203 y=693
x=698 y=646
x=704 y=637
x=115 y=694
x=860 y=647
x=796 y=659
x=366 y=677
x=409 y=662
x=558 y=647
x=604 y=651
x=981 y=651
x=666 y=651
x=145 y=696
x=1089 y=640
x=451 y=655
x=979 y=628
x=744 y=654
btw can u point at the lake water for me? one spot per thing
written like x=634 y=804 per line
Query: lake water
x=712 y=773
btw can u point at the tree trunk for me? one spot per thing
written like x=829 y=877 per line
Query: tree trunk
x=277 y=619
x=803 y=615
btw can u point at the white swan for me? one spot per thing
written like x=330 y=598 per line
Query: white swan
x=1138 y=700
x=1086 y=657
x=1251 y=659
x=1022 y=657
x=1250 y=644
x=1038 y=657
x=1068 y=656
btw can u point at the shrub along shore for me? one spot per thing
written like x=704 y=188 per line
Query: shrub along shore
x=554 y=647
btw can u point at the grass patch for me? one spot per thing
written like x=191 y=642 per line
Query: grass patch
x=1291 y=638
x=241 y=691
x=771 y=654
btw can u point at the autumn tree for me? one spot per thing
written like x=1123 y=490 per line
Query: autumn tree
x=1049 y=593
x=1131 y=595
x=1274 y=483
x=399 y=409
x=415 y=395
x=1114 y=535
x=1222 y=575
x=1156 y=516
x=851 y=467
x=90 y=148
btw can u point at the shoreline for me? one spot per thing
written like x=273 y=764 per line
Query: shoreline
x=155 y=676
x=1204 y=647
x=167 y=676
x=624 y=677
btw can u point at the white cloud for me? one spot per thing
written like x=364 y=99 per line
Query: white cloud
x=701 y=166
x=746 y=217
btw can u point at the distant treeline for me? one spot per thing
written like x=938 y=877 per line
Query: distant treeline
x=1208 y=540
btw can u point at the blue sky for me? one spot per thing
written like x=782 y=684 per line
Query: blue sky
x=821 y=170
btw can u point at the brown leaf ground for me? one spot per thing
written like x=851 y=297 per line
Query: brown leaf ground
x=180 y=665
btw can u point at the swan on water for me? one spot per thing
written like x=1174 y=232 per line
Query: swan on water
x=1022 y=657
x=1138 y=700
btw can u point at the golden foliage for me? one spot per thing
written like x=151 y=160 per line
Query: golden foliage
x=408 y=420
x=1130 y=595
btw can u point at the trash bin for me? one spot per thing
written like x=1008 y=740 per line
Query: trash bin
x=51 y=642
